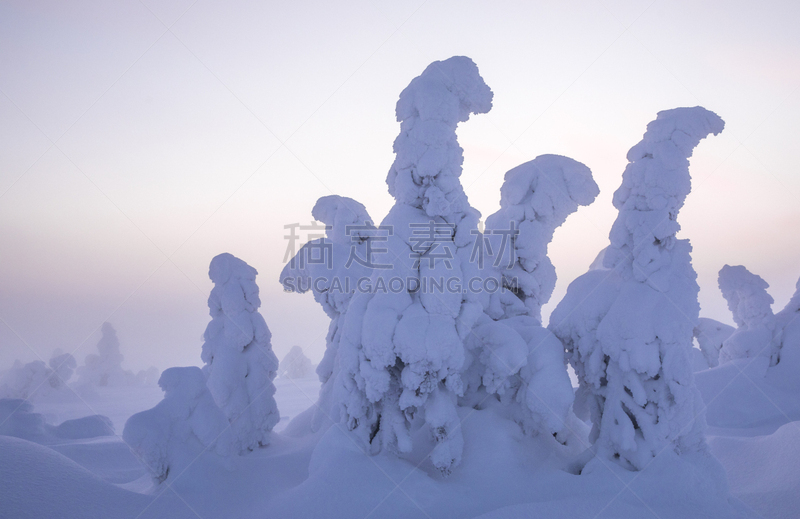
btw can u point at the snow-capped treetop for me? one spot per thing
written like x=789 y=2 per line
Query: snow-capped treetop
x=226 y=270
x=339 y=212
x=536 y=198
x=648 y=199
x=428 y=162
x=746 y=295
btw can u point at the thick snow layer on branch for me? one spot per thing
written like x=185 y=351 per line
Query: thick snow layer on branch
x=628 y=327
x=710 y=335
x=239 y=362
x=331 y=267
x=401 y=353
x=751 y=306
x=535 y=199
x=184 y=424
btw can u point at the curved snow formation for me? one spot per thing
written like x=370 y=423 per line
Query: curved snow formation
x=238 y=357
x=401 y=353
x=536 y=198
x=627 y=327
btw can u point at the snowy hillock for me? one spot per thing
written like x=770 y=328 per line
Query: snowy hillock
x=183 y=425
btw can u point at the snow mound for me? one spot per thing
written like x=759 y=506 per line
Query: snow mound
x=39 y=482
x=186 y=423
x=710 y=335
x=86 y=427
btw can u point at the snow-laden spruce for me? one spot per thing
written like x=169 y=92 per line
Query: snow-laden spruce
x=331 y=267
x=751 y=306
x=238 y=357
x=35 y=379
x=710 y=335
x=401 y=352
x=509 y=354
x=104 y=368
x=295 y=364
x=627 y=326
x=184 y=424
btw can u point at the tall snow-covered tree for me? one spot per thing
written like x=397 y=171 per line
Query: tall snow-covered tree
x=401 y=352
x=627 y=325
x=238 y=357
x=330 y=268
x=751 y=306
x=509 y=353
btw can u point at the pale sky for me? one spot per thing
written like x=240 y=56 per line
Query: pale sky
x=140 y=139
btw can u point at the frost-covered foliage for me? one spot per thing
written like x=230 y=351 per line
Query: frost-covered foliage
x=710 y=335
x=401 y=352
x=509 y=354
x=25 y=381
x=180 y=427
x=295 y=364
x=627 y=327
x=535 y=199
x=238 y=357
x=330 y=267
x=36 y=379
x=751 y=306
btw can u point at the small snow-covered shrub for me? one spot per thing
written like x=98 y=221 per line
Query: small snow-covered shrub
x=180 y=427
x=239 y=362
x=628 y=326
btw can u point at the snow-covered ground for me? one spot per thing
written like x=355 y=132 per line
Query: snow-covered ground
x=754 y=433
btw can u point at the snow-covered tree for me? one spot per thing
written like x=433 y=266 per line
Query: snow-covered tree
x=401 y=352
x=62 y=366
x=24 y=381
x=627 y=326
x=239 y=362
x=330 y=267
x=751 y=306
x=180 y=427
x=710 y=335
x=104 y=368
x=295 y=364
x=509 y=353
